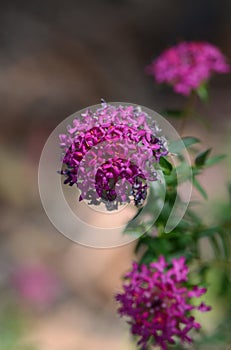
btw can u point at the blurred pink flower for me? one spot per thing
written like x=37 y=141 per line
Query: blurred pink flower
x=188 y=65
x=37 y=285
x=156 y=301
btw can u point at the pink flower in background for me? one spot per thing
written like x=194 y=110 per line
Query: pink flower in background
x=37 y=285
x=156 y=302
x=188 y=65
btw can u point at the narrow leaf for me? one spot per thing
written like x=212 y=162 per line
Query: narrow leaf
x=208 y=232
x=189 y=141
x=202 y=157
x=229 y=190
x=202 y=92
x=165 y=165
x=214 y=160
x=176 y=146
x=173 y=113
x=215 y=246
x=225 y=243
x=200 y=188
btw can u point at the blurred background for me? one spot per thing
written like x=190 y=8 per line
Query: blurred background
x=57 y=57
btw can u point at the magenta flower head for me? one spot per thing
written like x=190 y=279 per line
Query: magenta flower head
x=188 y=65
x=110 y=154
x=157 y=302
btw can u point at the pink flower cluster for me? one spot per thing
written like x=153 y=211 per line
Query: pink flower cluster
x=36 y=284
x=188 y=65
x=97 y=149
x=156 y=302
x=107 y=181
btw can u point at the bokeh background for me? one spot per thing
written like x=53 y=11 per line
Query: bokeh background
x=57 y=57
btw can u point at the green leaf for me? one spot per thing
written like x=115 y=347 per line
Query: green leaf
x=196 y=171
x=147 y=258
x=199 y=188
x=215 y=159
x=202 y=92
x=175 y=113
x=208 y=232
x=176 y=146
x=203 y=269
x=215 y=246
x=225 y=243
x=189 y=141
x=229 y=190
x=165 y=166
x=224 y=283
x=193 y=216
x=202 y=157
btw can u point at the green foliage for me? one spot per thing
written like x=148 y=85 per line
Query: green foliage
x=189 y=141
x=202 y=157
x=11 y=330
x=202 y=92
x=165 y=166
x=185 y=237
x=200 y=189
x=175 y=113
x=191 y=234
x=214 y=160
x=177 y=146
x=202 y=160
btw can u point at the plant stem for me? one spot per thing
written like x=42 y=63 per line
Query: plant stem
x=189 y=107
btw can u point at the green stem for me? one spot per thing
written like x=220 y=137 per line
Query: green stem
x=188 y=111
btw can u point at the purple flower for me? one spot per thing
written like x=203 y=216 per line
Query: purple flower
x=188 y=65
x=109 y=154
x=37 y=285
x=156 y=302
x=111 y=172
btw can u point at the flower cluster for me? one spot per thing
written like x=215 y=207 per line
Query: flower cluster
x=188 y=65
x=112 y=145
x=111 y=172
x=156 y=301
x=36 y=284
